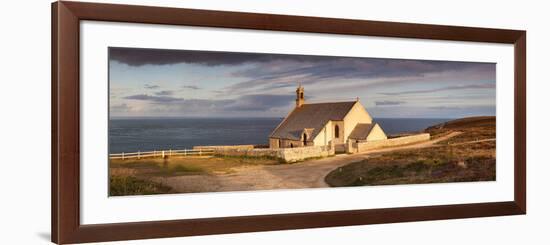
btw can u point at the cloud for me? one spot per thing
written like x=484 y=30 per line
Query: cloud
x=139 y=57
x=260 y=102
x=165 y=92
x=193 y=87
x=119 y=107
x=448 y=88
x=256 y=82
x=445 y=107
x=157 y=99
x=151 y=86
x=264 y=72
x=279 y=74
x=276 y=65
x=388 y=103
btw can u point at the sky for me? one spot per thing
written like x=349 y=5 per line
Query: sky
x=184 y=83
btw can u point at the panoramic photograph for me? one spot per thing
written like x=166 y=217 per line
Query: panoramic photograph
x=191 y=121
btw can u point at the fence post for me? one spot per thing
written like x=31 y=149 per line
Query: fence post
x=185 y=152
x=200 y=152
x=139 y=155
x=123 y=156
x=162 y=154
x=170 y=154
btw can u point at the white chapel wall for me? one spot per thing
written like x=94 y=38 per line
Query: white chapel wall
x=356 y=115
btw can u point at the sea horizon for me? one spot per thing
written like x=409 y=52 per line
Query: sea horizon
x=162 y=133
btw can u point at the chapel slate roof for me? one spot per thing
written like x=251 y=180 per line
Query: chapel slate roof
x=361 y=131
x=311 y=116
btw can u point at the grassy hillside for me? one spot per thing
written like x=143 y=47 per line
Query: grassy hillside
x=464 y=123
x=135 y=177
x=473 y=128
x=469 y=156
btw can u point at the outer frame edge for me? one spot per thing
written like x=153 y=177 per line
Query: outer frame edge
x=66 y=226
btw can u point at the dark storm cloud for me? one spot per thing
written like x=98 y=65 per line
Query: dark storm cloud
x=322 y=66
x=474 y=86
x=388 y=103
x=157 y=99
x=139 y=57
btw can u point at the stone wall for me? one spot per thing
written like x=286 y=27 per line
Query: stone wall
x=370 y=145
x=302 y=153
x=285 y=154
x=210 y=147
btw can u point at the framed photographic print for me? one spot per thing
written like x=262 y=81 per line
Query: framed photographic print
x=177 y=122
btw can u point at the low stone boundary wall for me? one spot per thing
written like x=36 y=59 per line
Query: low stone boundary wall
x=285 y=154
x=214 y=147
x=265 y=152
x=302 y=153
x=370 y=145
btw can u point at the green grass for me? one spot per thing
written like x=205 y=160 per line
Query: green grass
x=129 y=185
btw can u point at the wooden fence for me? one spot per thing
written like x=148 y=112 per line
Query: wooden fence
x=161 y=154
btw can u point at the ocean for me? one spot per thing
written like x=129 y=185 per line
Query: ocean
x=147 y=134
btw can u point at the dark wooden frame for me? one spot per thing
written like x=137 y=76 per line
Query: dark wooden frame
x=66 y=227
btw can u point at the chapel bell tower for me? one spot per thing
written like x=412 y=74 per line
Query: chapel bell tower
x=299 y=96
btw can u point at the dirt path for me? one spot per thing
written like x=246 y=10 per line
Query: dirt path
x=307 y=174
